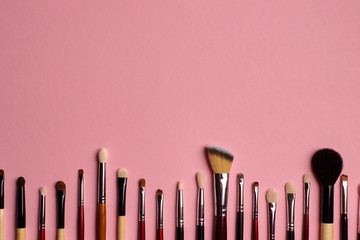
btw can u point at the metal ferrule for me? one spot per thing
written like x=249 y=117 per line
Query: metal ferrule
x=240 y=196
x=200 y=208
x=159 y=211
x=81 y=190
x=102 y=183
x=344 y=197
x=221 y=193
x=42 y=212
x=256 y=202
x=142 y=205
x=180 y=209
x=290 y=216
x=306 y=197
x=272 y=212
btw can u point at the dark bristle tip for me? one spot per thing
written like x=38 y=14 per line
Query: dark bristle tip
x=2 y=172
x=255 y=184
x=159 y=192
x=142 y=182
x=220 y=152
x=60 y=186
x=81 y=171
x=20 y=182
x=327 y=165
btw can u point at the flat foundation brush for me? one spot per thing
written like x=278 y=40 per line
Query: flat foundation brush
x=271 y=197
x=20 y=210
x=220 y=160
x=121 y=184
x=290 y=209
x=142 y=184
x=255 y=221
x=344 y=207
x=159 y=215
x=42 y=205
x=179 y=212
x=101 y=206
x=60 y=209
x=81 y=213
x=2 y=183
x=306 y=180
x=200 y=178
x=240 y=208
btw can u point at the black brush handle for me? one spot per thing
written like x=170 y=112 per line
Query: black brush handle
x=358 y=236
x=344 y=227
x=179 y=233
x=290 y=235
x=220 y=230
x=239 y=226
x=200 y=233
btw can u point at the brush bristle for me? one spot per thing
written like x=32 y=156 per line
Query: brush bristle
x=159 y=192
x=122 y=173
x=271 y=195
x=20 y=182
x=290 y=188
x=326 y=165
x=200 y=179
x=220 y=159
x=60 y=186
x=255 y=184
x=142 y=182
x=81 y=171
x=240 y=175
x=179 y=186
x=42 y=191
x=307 y=178
x=2 y=173
x=102 y=155
x=344 y=178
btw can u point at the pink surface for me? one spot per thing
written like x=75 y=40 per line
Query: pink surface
x=155 y=81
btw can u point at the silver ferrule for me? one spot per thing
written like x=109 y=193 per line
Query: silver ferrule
x=221 y=193
x=272 y=212
x=102 y=183
x=290 y=216
x=200 y=208
x=240 y=195
x=344 y=197
x=42 y=212
x=179 y=209
x=159 y=211
x=306 y=197
x=256 y=202
x=142 y=205
x=81 y=190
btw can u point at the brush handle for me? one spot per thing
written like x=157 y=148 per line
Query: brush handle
x=121 y=228
x=159 y=234
x=358 y=236
x=200 y=235
x=60 y=234
x=240 y=226
x=81 y=220
x=327 y=231
x=255 y=230
x=42 y=234
x=101 y=221
x=344 y=227
x=220 y=228
x=290 y=235
x=179 y=233
x=1 y=224
x=142 y=230
x=306 y=227
x=21 y=234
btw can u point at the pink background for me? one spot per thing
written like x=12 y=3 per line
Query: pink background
x=155 y=81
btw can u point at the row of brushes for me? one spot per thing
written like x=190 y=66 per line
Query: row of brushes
x=326 y=165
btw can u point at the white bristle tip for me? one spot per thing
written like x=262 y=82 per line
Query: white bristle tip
x=271 y=195
x=306 y=178
x=200 y=177
x=103 y=155
x=43 y=191
x=122 y=173
x=290 y=187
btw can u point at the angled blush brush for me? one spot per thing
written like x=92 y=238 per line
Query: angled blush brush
x=290 y=209
x=344 y=207
x=271 y=198
x=255 y=223
x=159 y=215
x=200 y=178
x=60 y=209
x=327 y=166
x=306 y=180
x=2 y=181
x=42 y=202
x=240 y=207
x=142 y=184
x=179 y=212
x=20 y=210
x=81 y=219
x=101 y=206
x=121 y=184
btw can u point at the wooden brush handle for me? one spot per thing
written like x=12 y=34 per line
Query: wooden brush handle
x=101 y=221
x=255 y=230
x=344 y=227
x=81 y=220
x=42 y=234
x=239 y=226
x=121 y=228
x=21 y=234
x=60 y=234
x=306 y=227
x=220 y=228
x=200 y=233
x=159 y=234
x=141 y=230
x=1 y=224
x=327 y=231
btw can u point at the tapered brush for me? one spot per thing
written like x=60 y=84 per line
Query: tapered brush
x=200 y=178
x=42 y=201
x=344 y=207
x=240 y=208
x=255 y=221
x=2 y=183
x=60 y=209
x=271 y=198
x=327 y=165
x=306 y=180
x=220 y=160
x=121 y=184
x=290 y=209
x=101 y=206
x=20 y=210
x=179 y=212
x=142 y=184
x=81 y=213
x=159 y=215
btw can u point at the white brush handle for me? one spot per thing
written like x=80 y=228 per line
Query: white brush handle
x=1 y=224
x=121 y=227
x=327 y=231
x=21 y=234
x=61 y=234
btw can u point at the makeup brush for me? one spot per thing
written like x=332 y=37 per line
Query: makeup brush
x=20 y=210
x=121 y=184
x=240 y=208
x=142 y=184
x=200 y=177
x=81 y=218
x=220 y=160
x=60 y=209
x=255 y=223
x=101 y=206
x=344 y=207
x=306 y=180
x=42 y=213
x=271 y=197
x=179 y=212
x=159 y=214
x=290 y=200
x=358 y=223
x=327 y=165
x=2 y=179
